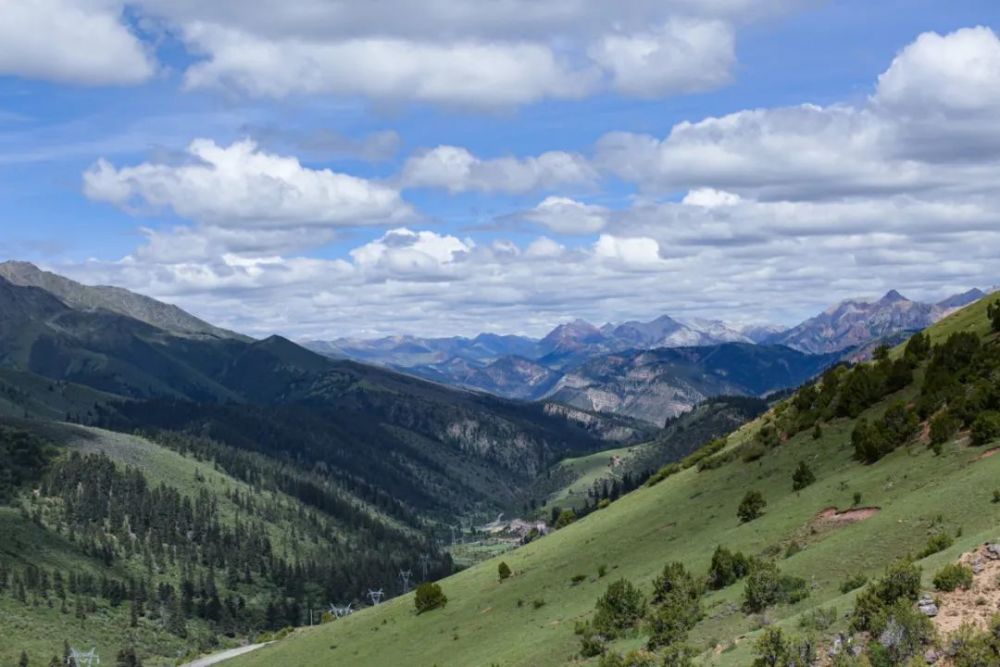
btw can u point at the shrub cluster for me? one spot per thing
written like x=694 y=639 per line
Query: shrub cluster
x=727 y=568
x=952 y=576
x=767 y=586
x=874 y=440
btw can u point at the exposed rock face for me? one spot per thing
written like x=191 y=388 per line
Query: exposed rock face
x=654 y=385
x=857 y=322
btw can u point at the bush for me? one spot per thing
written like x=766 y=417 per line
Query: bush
x=766 y=586
x=591 y=643
x=986 y=427
x=429 y=596
x=993 y=312
x=817 y=431
x=819 y=619
x=935 y=543
x=772 y=649
x=619 y=610
x=703 y=452
x=952 y=576
x=577 y=579
x=678 y=596
x=901 y=581
x=663 y=473
x=566 y=517
x=503 y=571
x=634 y=658
x=853 y=583
x=902 y=635
x=972 y=648
x=751 y=507
x=727 y=568
x=802 y=477
x=943 y=427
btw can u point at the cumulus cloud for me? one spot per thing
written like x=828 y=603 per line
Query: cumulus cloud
x=402 y=252
x=568 y=216
x=768 y=214
x=937 y=103
x=483 y=55
x=71 y=41
x=682 y=55
x=465 y=73
x=241 y=185
x=457 y=170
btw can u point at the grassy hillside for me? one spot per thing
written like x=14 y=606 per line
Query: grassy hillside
x=573 y=478
x=909 y=495
x=35 y=536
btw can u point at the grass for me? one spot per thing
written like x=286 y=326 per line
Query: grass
x=584 y=471
x=488 y=622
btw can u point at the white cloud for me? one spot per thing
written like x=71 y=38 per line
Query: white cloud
x=937 y=103
x=630 y=252
x=954 y=73
x=568 y=216
x=710 y=198
x=463 y=72
x=764 y=214
x=70 y=41
x=457 y=170
x=405 y=252
x=681 y=56
x=242 y=186
x=483 y=55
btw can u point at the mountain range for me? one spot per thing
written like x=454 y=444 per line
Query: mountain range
x=563 y=365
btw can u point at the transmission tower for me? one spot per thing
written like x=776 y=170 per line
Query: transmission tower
x=85 y=658
x=375 y=596
x=405 y=576
x=341 y=612
x=425 y=561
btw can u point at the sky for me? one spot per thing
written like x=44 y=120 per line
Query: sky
x=324 y=168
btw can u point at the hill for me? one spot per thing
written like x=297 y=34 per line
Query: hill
x=164 y=316
x=126 y=541
x=879 y=494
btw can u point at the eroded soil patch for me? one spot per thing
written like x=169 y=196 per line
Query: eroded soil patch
x=975 y=605
x=832 y=518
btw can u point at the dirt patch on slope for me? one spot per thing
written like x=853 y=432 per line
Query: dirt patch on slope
x=832 y=518
x=988 y=453
x=977 y=604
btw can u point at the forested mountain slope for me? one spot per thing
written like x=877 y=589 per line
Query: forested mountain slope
x=869 y=466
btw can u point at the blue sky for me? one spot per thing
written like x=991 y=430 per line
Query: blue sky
x=344 y=213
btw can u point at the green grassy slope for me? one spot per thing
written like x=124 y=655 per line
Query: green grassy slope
x=683 y=518
x=40 y=627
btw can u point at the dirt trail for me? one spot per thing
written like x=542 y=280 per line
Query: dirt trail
x=216 y=658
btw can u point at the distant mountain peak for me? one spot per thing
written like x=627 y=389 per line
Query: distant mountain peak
x=892 y=296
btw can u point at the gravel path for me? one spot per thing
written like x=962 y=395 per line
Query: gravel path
x=216 y=658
